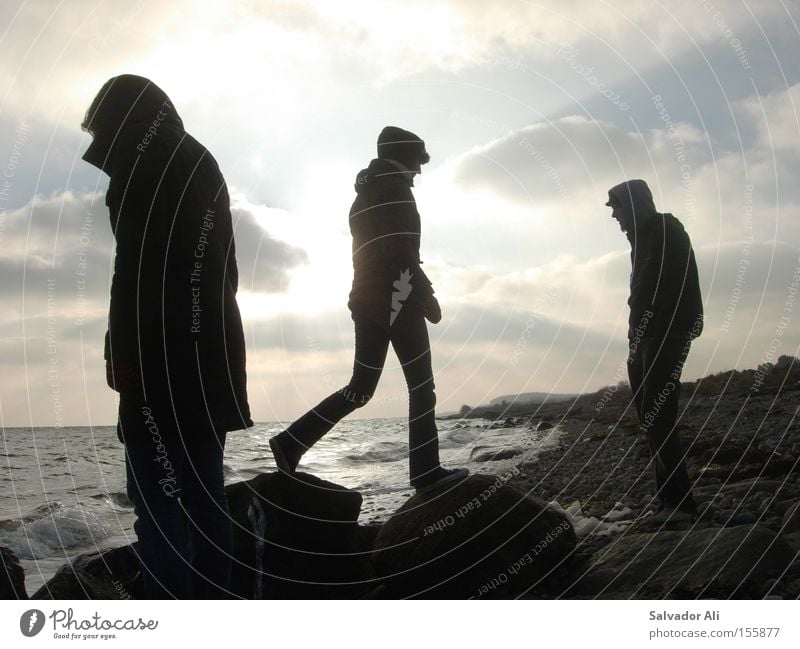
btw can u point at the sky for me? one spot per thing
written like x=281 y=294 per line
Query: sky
x=530 y=111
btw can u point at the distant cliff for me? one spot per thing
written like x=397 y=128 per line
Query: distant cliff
x=530 y=398
x=765 y=379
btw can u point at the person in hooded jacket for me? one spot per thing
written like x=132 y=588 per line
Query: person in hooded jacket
x=175 y=347
x=666 y=314
x=391 y=298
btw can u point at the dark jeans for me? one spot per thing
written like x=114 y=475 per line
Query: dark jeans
x=176 y=485
x=654 y=369
x=409 y=337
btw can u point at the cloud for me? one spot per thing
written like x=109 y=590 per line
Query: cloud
x=776 y=119
x=66 y=237
x=290 y=96
x=264 y=263
x=56 y=257
x=525 y=199
x=69 y=51
x=568 y=318
x=50 y=231
x=560 y=328
x=559 y=160
x=538 y=192
x=296 y=334
x=534 y=285
x=620 y=25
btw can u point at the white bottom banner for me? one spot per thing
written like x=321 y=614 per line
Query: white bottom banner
x=354 y=624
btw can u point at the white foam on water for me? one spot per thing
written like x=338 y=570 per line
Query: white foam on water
x=612 y=522
x=60 y=530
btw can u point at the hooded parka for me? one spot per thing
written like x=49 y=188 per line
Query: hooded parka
x=385 y=226
x=665 y=298
x=173 y=313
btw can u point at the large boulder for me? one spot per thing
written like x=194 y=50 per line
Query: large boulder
x=479 y=538
x=793 y=540
x=111 y=574
x=791 y=519
x=733 y=562
x=293 y=537
x=298 y=537
x=778 y=488
x=12 y=576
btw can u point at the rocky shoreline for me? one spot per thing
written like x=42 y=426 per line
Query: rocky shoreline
x=742 y=450
x=571 y=523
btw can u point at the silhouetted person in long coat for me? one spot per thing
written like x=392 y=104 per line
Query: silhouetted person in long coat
x=666 y=314
x=175 y=347
x=390 y=299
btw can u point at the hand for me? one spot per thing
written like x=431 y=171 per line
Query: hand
x=433 y=312
x=123 y=377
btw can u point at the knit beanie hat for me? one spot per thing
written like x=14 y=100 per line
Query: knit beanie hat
x=404 y=146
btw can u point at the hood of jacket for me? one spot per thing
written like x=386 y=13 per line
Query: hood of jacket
x=382 y=170
x=636 y=201
x=124 y=102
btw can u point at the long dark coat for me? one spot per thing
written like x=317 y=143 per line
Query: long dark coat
x=173 y=311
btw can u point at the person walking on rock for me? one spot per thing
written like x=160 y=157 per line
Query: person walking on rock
x=389 y=302
x=175 y=347
x=666 y=314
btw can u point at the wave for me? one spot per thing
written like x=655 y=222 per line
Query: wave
x=481 y=454
x=254 y=471
x=460 y=438
x=262 y=458
x=60 y=529
x=380 y=457
x=115 y=499
x=49 y=508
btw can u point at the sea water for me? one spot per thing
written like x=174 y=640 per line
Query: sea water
x=63 y=489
